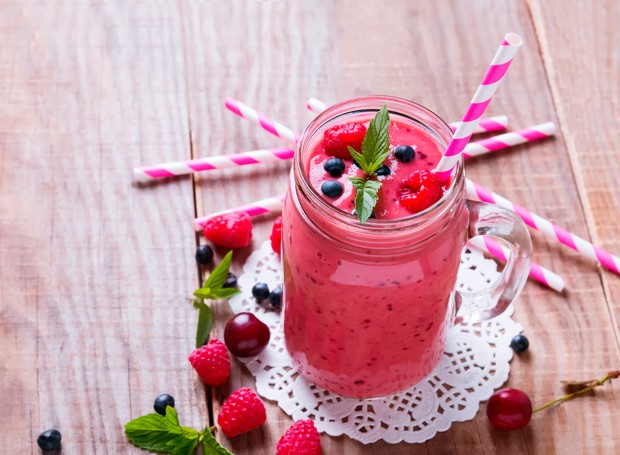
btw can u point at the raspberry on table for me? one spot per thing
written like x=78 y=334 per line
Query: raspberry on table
x=420 y=190
x=337 y=139
x=230 y=230
x=302 y=438
x=243 y=411
x=211 y=362
x=276 y=235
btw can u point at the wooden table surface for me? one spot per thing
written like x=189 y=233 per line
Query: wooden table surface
x=95 y=272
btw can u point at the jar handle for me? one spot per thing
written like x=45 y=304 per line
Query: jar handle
x=507 y=229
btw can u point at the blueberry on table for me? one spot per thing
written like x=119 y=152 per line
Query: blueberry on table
x=231 y=281
x=49 y=440
x=332 y=189
x=404 y=153
x=260 y=291
x=161 y=402
x=334 y=166
x=383 y=170
x=520 y=343
x=204 y=255
x=275 y=298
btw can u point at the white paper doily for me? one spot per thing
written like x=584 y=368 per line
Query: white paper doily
x=474 y=363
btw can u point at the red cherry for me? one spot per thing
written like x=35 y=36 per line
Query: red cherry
x=245 y=335
x=509 y=409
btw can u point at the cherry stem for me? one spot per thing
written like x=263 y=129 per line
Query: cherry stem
x=600 y=382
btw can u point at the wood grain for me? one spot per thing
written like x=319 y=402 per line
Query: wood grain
x=94 y=273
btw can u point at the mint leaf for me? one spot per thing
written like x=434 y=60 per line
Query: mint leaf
x=376 y=145
x=211 y=289
x=224 y=293
x=366 y=197
x=211 y=446
x=359 y=159
x=161 y=434
x=205 y=321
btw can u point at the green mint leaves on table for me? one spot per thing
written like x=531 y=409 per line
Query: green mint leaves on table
x=164 y=434
x=212 y=289
x=375 y=149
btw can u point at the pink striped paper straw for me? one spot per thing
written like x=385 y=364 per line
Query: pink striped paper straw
x=144 y=174
x=486 y=125
x=537 y=271
x=502 y=141
x=269 y=205
x=585 y=248
x=275 y=128
x=491 y=81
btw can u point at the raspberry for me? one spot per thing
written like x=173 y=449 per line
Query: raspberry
x=420 y=190
x=337 y=138
x=211 y=362
x=242 y=412
x=231 y=230
x=301 y=438
x=276 y=235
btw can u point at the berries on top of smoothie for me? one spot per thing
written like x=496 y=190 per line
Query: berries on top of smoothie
x=420 y=190
x=332 y=188
x=334 y=167
x=337 y=139
x=404 y=153
x=383 y=170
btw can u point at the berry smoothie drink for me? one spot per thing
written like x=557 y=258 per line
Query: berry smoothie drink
x=367 y=305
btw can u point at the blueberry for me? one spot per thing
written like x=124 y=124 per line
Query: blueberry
x=404 y=153
x=332 y=189
x=275 y=298
x=231 y=281
x=161 y=402
x=49 y=440
x=335 y=167
x=204 y=255
x=519 y=343
x=383 y=170
x=260 y=291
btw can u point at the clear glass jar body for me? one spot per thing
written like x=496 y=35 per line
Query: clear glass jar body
x=367 y=306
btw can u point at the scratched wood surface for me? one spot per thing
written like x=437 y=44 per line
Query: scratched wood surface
x=95 y=272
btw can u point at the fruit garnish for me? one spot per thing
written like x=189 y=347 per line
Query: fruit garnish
x=260 y=291
x=161 y=402
x=276 y=235
x=231 y=281
x=332 y=189
x=275 y=298
x=420 y=190
x=337 y=139
x=302 y=438
x=520 y=343
x=230 y=230
x=243 y=411
x=204 y=254
x=334 y=166
x=211 y=362
x=374 y=150
x=245 y=335
x=164 y=434
x=49 y=440
x=509 y=409
x=404 y=153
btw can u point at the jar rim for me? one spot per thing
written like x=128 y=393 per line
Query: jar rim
x=374 y=104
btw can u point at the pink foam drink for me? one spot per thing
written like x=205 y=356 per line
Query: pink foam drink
x=367 y=306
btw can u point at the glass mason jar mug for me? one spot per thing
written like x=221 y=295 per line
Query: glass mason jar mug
x=367 y=306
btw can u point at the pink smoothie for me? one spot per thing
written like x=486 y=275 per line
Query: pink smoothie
x=357 y=321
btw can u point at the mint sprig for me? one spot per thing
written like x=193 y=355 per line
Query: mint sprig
x=213 y=288
x=375 y=149
x=164 y=434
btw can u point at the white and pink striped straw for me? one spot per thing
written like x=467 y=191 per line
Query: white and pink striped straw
x=147 y=173
x=537 y=271
x=275 y=128
x=486 y=125
x=491 y=81
x=585 y=248
x=262 y=207
x=506 y=140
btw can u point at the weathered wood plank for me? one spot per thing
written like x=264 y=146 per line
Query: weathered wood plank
x=94 y=272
